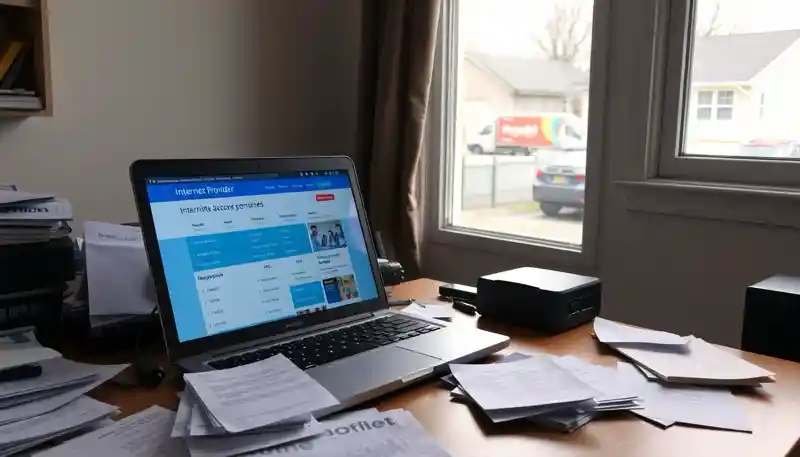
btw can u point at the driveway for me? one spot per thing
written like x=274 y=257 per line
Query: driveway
x=566 y=228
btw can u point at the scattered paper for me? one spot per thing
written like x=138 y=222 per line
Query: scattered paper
x=258 y=394
x=76 y=414
x=611 y=332
x=513 y=357
x=602 y=379
x=183 y=416
x=145 y=434
x=56 y=373
x=20 y=347
x=41 y=406
x=117 y=271
x=533 y=382
x=57 y=209
x=698 y=363
x=229 y=445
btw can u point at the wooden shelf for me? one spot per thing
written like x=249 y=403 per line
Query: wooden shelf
x=27 y=21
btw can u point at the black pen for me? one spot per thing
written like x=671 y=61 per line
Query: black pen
x=465 y=307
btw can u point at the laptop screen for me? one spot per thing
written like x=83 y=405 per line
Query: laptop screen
x=239 y=251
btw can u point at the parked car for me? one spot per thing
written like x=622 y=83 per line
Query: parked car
x=771 y=149
x=560 y=184
x=524 y=135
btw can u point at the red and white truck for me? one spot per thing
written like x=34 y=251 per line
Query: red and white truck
x=526 y=134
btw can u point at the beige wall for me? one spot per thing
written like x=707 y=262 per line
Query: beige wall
x=183 y=78
x=539 y=104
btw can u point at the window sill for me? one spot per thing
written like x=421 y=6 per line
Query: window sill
x=773 y=206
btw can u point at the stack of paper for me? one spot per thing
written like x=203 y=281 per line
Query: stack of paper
x=668 y=404
x=680 y=359
x=31 y=218
x=251 y=407
x=145 y=434
x=52 y=404
x=563 y=393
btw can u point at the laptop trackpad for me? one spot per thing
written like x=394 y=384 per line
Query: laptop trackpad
x=370 y=370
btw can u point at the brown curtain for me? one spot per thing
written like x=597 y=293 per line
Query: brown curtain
x=398 y=45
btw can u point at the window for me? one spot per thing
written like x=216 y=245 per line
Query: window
x=730 y=54
x=522 y=179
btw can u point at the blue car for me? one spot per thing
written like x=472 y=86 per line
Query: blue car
x=561 y=183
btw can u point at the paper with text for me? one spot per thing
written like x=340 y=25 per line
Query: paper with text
x=611 y=332
x=259 y=394
x=145 y=434
x=117 y=271
x=536 y=381
x=387 y=434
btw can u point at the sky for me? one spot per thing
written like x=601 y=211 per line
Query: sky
x=512 y=27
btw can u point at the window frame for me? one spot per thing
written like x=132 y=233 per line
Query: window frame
x=439 y=169
x=671 y=163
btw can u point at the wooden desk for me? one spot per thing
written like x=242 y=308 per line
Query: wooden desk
x=465 y=432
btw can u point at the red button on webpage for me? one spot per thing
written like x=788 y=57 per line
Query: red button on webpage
x=324 y=197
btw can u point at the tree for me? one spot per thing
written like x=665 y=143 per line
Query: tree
x=710 y=22
x=568 y=32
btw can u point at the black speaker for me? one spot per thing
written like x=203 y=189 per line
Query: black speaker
x=772 y=318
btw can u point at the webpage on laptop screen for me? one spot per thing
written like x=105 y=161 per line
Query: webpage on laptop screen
x=242 y=251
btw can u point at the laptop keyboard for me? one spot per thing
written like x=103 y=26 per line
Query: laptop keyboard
x=337 y=344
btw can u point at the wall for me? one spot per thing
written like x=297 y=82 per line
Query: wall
x=184 y=78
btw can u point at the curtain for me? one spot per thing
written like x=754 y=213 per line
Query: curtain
x=398 y=46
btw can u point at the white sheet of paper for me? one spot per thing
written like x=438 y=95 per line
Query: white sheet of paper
x=45 y=405
x=183 y=416
x=9 y=196
x=699 y=363
x=394 y=433
x=498 y=416
x=145 y=434
x=536 y=381
x=76 y=414
x=117 y=271
x=703 y=406
x=602 y=379
x=430 y=311
x=259 y=394
x=55 y=373
x=611 y=332
x=21 y=348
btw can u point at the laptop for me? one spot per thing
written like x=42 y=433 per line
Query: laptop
x=256 y=257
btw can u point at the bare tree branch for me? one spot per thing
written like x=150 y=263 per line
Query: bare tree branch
x=567 y=33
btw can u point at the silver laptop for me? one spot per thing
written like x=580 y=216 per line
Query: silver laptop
x=256 y=257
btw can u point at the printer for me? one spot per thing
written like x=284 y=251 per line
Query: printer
x=542 y=300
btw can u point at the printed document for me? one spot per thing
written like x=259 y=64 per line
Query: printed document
x=145 y=434
x=391 y=433
x=611 y=332
x=259 y=394
x=536 y=381
x=57 y=209
x=117 y=272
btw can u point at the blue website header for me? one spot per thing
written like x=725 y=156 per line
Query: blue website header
x=242 y=188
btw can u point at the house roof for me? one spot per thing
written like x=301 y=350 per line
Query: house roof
x=739 y=57
x=533 y=76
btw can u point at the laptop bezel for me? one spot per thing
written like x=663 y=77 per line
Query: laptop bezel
x=143 y=170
